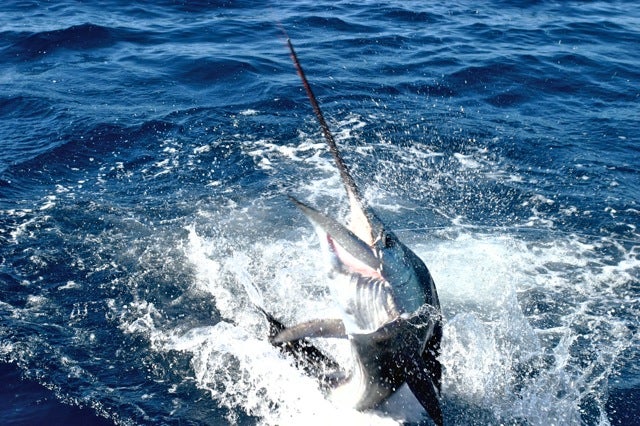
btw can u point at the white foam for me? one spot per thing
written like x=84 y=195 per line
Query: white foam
x=494 y=359
x=492 y=355
x=49 y=202
x=69 y=285
x=242 y=372
x=467 y=160
x=202 y=149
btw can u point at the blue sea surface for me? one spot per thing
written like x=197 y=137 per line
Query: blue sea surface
x=147 y=151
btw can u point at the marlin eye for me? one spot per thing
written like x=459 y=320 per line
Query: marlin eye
x=386 y=241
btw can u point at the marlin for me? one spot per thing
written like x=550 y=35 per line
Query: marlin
x=391 y=312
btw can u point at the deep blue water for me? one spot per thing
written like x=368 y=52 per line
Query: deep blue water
x=146 y=155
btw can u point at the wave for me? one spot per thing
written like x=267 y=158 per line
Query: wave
x=78 y=37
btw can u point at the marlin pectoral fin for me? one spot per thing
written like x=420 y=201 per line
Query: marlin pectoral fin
x=313 y=328
x=422 y=386
x=305 y=356
x=339 y=233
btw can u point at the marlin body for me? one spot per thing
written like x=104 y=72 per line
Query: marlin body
x=391 y=312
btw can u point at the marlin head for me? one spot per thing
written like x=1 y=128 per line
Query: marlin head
x=382 y=257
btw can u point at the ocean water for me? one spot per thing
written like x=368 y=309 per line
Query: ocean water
x=146 y=155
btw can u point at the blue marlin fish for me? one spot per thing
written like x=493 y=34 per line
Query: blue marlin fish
x=391 y=315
